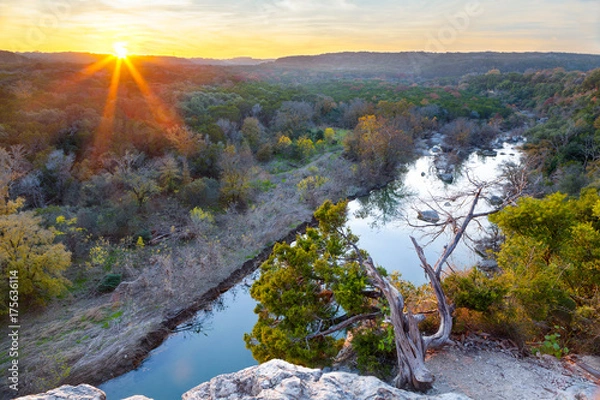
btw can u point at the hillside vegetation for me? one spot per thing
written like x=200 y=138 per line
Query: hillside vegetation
x=147 y=186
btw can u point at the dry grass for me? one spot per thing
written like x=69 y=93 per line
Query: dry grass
x=87 y=339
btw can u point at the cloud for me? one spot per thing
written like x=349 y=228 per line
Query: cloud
x=272 y=27
x=314 y=5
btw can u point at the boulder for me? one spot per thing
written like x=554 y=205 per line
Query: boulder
x=487 y=153
x=488 y=265
x=436 y=139
x=495 y=200
x=67 y=392
x=280 y=380
x=436 y=150
x=446 y=177
x=428 y=216
x=582 y=391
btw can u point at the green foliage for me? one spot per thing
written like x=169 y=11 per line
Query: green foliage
x=252 y=132
x=474 y=290
x=263 y=185
x=29 y=251
x=375 y=351
x=551 y=262
x=56 y=369
x=202 y=192
x=141 y=185
x=109 y=283
x=592 y=80
x=547 y=221
x=305 y=148
x=551 y=345
x=306 y=288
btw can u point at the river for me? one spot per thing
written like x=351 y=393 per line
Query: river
x=215 y=345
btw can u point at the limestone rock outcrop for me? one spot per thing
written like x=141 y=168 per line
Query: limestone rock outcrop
x=274 y=380
x=80 y=392
x=280 y=380
x=67 y=392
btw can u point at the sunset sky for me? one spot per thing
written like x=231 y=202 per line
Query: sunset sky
x=275 y=28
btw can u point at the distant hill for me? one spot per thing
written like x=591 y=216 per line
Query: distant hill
x=6 y=57
x=406 y=65
x=238 y=61
x=88 y=58
x=430 y=65
x=65 y=57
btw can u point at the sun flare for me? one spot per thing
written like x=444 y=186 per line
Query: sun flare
x=120 y=49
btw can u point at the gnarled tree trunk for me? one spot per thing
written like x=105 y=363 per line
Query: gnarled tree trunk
x=411 y=345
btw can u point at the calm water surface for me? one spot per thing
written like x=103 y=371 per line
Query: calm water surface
x=215 y=346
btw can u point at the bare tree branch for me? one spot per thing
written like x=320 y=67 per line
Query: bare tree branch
x=344 y=324
x=457 y=236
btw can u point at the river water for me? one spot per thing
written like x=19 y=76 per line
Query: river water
x=215 y=345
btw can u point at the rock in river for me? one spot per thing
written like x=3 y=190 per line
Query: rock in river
x=428 y=216
x=446 y=177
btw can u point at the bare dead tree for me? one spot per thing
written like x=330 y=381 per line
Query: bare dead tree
x=411 y=344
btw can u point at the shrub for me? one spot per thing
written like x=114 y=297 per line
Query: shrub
x=551 y=345
x=265 y=152
x=305 y=148
x=203 y=192
x=308 y=187
x=375 y=351
x=474 y=290
x=329 y=136
x=109 y=283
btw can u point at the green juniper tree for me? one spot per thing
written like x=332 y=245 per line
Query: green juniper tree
x=323 y=283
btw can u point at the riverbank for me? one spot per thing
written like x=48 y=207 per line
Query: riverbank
x=93 y=339
x=98 y=338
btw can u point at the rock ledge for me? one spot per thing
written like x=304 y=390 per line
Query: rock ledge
x=274 y=380
x=280 y=380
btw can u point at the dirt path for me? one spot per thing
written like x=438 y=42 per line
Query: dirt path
x=494 y=374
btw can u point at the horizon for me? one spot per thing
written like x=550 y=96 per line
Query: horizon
x=271 y=29
x=132 y=55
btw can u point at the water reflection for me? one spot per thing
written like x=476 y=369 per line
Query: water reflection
x=211 y=345
x=382 y=206
x=385 y=219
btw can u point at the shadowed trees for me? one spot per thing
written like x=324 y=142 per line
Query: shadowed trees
x=378 y=146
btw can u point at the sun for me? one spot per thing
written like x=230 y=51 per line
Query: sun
x=120 y=49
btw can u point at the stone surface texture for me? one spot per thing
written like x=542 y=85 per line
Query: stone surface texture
x=67 y=392
x=280 y=380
